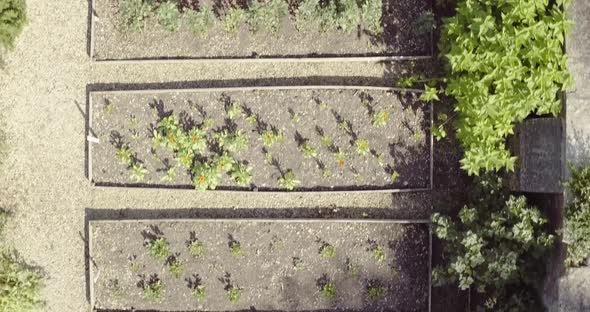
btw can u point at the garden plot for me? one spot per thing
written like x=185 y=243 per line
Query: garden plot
x=139 y=29
x=261 y=139
x=267 y=265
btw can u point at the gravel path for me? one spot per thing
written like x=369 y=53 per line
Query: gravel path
x=43 y=99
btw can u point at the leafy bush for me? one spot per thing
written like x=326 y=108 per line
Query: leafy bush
x=168 y=16
x=267 y=16
x=576 y=230
x=233 y=19
x=134 y=13
x=496 y=243
x=200 y=22
x=13 y=17
x=505 y=61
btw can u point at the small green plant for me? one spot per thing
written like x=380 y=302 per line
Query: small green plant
x=153 y=289
x=126 y=155
x=308 y=151
x=297 y=264
x=328 y=291
x=430 y=94
x=159 y=248
x=270 y=137
x=233 y=294
x=349 y=16
x=327 y=141
x=371 y=15
x=289 y=181
x=235 y=248
x=340 y=158
x=394 y=176
x=175 y=266
x=376 y=293
x=327 y=251
x=205 y=176
x=233 y=111
x=576 y=229
x=232 y=141
x=200 y=22
x=224 y=162
x=138 y=172
x=377 y=252
x=306 y=14
x=168 y=16
x=134 y=264
x=233 y=19
x=170 y=175
x=252 y=119
x=199 y=293
x=197 y=139
x=362 y=147
x=242 y=174
x=380 y=119
x=267 y=15
x=133 y=14
x=20 y=283
x=196 y=248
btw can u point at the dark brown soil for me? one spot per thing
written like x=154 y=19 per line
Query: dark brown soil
x=264 y=272
x=404 y=142
x=399 y=38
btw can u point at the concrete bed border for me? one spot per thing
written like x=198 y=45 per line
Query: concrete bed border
x=250 y=60
x=90 y=261
x=91 y=139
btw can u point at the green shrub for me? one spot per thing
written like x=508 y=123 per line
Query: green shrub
x=372 y=15
x=233 y=20
x=505 y=61
x=576 y=230
x=267 y=16
x=13 y=17
x=169 y=16
x=133 y=14
x=200 y=22
x=497 y=243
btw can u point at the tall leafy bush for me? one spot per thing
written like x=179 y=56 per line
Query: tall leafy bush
x=505 y=61
x=576 y=231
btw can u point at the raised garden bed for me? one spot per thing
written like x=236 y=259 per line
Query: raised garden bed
x=266 y=265
x=277 y=29
x=262 y=139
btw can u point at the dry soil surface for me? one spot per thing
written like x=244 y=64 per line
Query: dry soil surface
x=43 y=100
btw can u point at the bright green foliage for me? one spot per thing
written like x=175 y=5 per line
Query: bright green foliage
x=328 y=251
x=224 y=162
x=20 y=284
x=430 y=94
x=234 y=294
x=576 y=230
x=232 y=141
x=168 y=16
x=138 y=172
x=349 y=15
x=197 y=139
x=233 y=19
x=133 y=14
x=340 y=158
x=169 y=176
x=13 y=18
x=125 y=155
x=362 y=147
x=153 y=290
x=176 y=267
x=306 y=14
x=308 y=151
x=235 y=248
x=394 y=176
x=242 y=174
x=327 y=17
x=376 y=293
x=289 y=181
x=205 y=176
x=196 y=248
x=497 y=243
x=371 y=15
x=233 y=111
x=505 y=60
x=328 y=291
x=270 y=137
x=378 y=253
x=200 y=22
x=159 y=248
x=267 y=15
x=380 y=119
x=199 y=293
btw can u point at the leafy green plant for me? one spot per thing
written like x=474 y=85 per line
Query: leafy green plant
x=233 y=111
x=196 y=248
x=297 y=264
x=197 y=139
x=377 y=252
x=21 y=284
x=205 y=176
x=224 y=162
x=13 y=18
x=430 y=94
x=168 y=16
x=242 y=174
x=372 y=15
x=199 y=293
x=328 y=291
x=505 y=61
x=175 y=266
x=170 y=175
x=138 y=172
x=328 y=16
x=153 y=290
x=126 y=155
x=200 y=22
x=232 y=141
x=270 y=137
x=133 y=14
x=289 y=181
x=308 y=151
x=340 y=158
x=380 y=119
x=233 y=19
x=327 y=251
x=233 y=294
x=159 y=248
x=306 y=14
x=498 y=242
x=576 y=228
x=267 y=15
x=235 y=248
x=349 y=16
x=376 y=293
x=362 y=146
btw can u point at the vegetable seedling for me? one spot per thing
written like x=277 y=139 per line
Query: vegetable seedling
x=176 y=267
x=233 y=111
x=138 y=172
x=242 y=174
x=234 y=294
x=327 y=251
x=289 y=181
x=196 y=248
x=380 y=119
x=159 y=248
x=270 y=137
x=199 y=293
x=235 y=248
x=376 y=293
x=328 y=291
x=153 y=290
x=170 y=175
x=362 y=147
x=125 y=155
x=308 y=151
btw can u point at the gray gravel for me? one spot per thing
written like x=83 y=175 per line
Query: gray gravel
x=42 y=98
